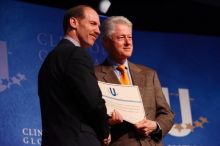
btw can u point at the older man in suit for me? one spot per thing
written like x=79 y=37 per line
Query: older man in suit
x=117 y=40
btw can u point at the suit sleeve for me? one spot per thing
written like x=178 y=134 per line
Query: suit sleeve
x=82 y=79
x=164 y=115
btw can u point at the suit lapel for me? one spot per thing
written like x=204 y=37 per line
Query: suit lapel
x=137 y=78
x=108 y=73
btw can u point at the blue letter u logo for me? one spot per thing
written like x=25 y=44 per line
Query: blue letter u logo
x=113 y=91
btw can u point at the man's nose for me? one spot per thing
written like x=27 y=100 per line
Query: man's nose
x=97 y=31
x=128 y=40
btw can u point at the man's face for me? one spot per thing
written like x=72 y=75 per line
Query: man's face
x=88 y=28
x=120 y=47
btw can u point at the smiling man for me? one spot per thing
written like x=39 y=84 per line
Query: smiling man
x=117 y=41
x=72 y=108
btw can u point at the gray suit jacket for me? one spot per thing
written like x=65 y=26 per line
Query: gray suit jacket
x=155 y=105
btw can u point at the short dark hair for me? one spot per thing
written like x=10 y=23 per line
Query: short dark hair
x=77 y=12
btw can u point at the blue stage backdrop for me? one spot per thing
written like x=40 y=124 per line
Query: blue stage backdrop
x=188 y=67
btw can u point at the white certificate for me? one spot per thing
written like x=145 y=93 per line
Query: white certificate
x=126 y=99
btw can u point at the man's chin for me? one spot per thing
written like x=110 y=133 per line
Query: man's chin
x=128 y=55
x=88 y=45
x=91 y=43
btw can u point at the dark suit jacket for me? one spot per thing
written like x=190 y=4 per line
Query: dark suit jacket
x=72 y=108
x=155 y=105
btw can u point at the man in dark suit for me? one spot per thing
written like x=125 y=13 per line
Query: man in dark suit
x=72 y=108
x=117 y=40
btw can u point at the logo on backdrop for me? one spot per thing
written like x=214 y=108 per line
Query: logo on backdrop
x=47 y=42
x=188 y=125
x=31 y=136
x=5 y=80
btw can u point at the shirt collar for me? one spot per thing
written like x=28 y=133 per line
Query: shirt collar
x=72 y=40
x=115 y=64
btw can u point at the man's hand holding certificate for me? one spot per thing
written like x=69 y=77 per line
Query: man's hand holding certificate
x=126 y=99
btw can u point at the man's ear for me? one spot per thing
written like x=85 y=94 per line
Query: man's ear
x=73 y=22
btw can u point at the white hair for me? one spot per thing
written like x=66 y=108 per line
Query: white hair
x=108 y=25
